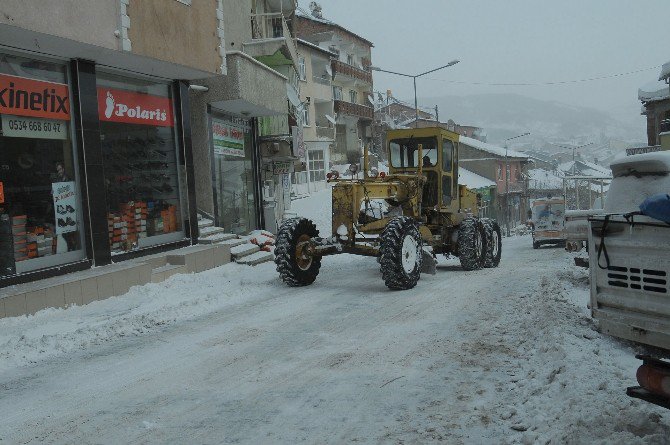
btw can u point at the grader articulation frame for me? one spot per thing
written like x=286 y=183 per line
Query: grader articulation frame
x=404 y=218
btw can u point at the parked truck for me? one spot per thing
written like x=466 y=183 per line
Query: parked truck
x=629 y=264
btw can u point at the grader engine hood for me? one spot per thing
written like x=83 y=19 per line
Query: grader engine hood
x=365 y=203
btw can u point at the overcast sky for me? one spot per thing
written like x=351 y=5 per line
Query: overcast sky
x=510 y=41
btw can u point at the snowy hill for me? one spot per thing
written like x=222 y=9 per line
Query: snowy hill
x=506 y=115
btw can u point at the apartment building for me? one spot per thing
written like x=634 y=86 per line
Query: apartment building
x=351 y=82
x=96 y=143
x=318 y=116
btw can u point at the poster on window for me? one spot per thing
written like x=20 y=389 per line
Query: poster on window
x=228 y=139
x=65 y=206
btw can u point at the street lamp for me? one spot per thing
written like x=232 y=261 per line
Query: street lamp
x=507 y=211
x=416 y=104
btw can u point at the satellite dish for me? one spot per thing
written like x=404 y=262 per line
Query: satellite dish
x=331 y=119
x=371 y=100
x=329 y=70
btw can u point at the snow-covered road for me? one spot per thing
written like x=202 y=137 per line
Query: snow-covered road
x=231 y=355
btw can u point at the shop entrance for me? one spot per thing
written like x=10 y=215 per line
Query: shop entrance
x=233 y=174
x=40 y=211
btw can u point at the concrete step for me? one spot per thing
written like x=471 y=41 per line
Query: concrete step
x=217 y=238
x=162 y=273
x=234 y=242
x=204 y=222
x=209 y=231
x=243 y=250
x=256 y=258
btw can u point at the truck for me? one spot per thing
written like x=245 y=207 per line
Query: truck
x=548 y=217
x=629 y=268
x=404 y=218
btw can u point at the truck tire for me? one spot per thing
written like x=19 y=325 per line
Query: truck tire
x=493 y=243
x=471 y=244
x=295 y=269
x=400 y=253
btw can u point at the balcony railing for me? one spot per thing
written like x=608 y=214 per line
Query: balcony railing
x=325 y=132
x=321 y=80
x=350 y=109
x=273 y=26
x=350 y=71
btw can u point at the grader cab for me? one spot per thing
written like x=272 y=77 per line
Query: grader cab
x=404 y=218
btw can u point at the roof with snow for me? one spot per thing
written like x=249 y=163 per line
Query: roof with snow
x=665 y=71
x=653 y=91
x=490 y=148
x=584 y=168
x=472 y=180
x=542 y=179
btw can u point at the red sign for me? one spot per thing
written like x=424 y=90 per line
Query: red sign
x=20 y=96
x=134 y=108
x=2 y=193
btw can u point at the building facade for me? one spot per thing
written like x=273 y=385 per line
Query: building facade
x=507 y=168
x=96 y=148
x=655 y=98
x=318 y=116
x=351 y=82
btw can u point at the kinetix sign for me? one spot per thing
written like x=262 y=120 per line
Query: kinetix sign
x=134 y=108
x=20 y=96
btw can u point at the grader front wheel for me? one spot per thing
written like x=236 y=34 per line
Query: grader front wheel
x=493 y=243
x=295 y=265
x=400 y=253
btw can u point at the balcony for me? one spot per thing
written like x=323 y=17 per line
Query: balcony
x=349 y=109
x=325 y=133
x=344 y=69
x=269 y=34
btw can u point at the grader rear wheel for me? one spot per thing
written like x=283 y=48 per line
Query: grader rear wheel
x=400 y=253
x=295 y=265
x=471 y=244
x=493 y=243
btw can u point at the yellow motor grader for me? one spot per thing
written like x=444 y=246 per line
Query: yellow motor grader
x=404 y=218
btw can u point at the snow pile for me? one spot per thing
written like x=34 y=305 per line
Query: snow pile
x=53 y=332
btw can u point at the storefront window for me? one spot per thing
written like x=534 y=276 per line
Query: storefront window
x=233 y=174
x=137 y=132
x=40 y=211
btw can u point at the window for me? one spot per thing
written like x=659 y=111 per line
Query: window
x=350 y=59
x=317 y=169
x=446 y=190
x=353 y=96
x=499 y=172
x=305 y=116
x=447 y=155
x=337 y=93
x=507 y=172
x=404 y=152
x=302 y=68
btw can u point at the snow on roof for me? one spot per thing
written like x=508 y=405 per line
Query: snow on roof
x=472 y=180
x=301 y=12
x=584 y=168
x=490 y=148
x=317 y=47
x=665 y=71
x=542 y=179
x=655 y=90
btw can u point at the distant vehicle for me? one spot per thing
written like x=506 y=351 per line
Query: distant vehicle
x=548 y=219
x=629 y=264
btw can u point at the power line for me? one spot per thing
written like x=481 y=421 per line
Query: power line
x=534 y=84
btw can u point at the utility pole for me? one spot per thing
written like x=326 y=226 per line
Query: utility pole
x=437 y=114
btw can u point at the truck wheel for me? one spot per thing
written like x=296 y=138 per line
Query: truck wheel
x=294 y=266
x=536 y=245
x=471 y=244
x=400 y=253
x=493 y=243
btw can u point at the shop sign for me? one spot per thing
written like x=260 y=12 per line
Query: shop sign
x=2 y=193
x=33 y=127
x=20 y=96
x=282 y=167
x=65 y=206
x=641 y=150
x=298 y=142
x=228 y=139
x=134 y=108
